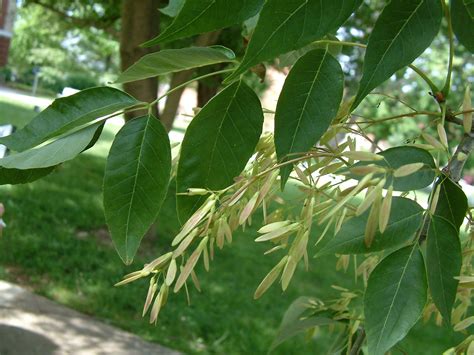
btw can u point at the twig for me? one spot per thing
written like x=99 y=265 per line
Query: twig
x=395 y=99
x=417 y=70
x=104 y=23
x=457 y=162
x=451 y=117
x=447 y=85
x=187 y=83
x=358 y=343
x=405 y=115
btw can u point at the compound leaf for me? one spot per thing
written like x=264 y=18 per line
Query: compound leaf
x=173 y=60
x=57 y=152
x=404 y=29
x=397 y=157
x=136 y=181
x=405 y=219
x=452 y=202
x=298 y=318
x=218 y=144
x=285 y=26
x=17 y=176
x=199 y=16
x=68 y=113
x=308 y=103
x=463 y=23
x=395 y=297
x=443 y=261
x=173 y=8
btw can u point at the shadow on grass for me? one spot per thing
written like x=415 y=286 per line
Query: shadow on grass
x=56 y=242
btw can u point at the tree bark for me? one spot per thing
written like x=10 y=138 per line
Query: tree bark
x=140 y=22
x=206 y=90
x=172 y=101
x=460 y=157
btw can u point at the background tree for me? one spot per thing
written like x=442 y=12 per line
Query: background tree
x=353 y=203
x=96 y=26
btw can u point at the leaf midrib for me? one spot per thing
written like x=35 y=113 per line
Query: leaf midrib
x=151 y=69
x=395 y=297
x=361 y=236
x=274 y=32
x=189 y=23
x=438 y=259
x=448 y=202
x=215 y=142
x=218 y=133
x=38 y=139
x=390 y=46
x=129 y=213
x=48 y=161
x=303 y=110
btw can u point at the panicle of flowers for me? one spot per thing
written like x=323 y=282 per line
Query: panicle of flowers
x=212 y=225
x=328 y=177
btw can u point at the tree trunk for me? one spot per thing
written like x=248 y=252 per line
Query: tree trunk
x=172 y=101
x=207 y=88
x=140 y=22
x=205 y=93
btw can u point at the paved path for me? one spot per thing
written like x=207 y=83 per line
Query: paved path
x=31 y=324
x=21 y=96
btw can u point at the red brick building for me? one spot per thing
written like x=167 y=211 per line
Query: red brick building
x=7 y=15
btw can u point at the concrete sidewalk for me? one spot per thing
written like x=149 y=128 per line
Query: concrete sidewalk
x=22 y=96
x=31 y=324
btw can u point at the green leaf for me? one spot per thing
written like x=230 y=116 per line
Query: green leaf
x=96 y=136
x=470 y=7
x=57 y=152
x=17 y=176
x=395 y=297
x=136 y=181
x=285 y=26
x=308 y=103
x=175 y=60
x=67 y=113
x=218 y=144
x=298 y=318
x=290 y=58
x=248 y=26
x=173 y=8
x=199 y=16
x=399 y=156
x=463 y=23
x=452 y=203
x=443 y=260
x=404 y=29
x=405 y=219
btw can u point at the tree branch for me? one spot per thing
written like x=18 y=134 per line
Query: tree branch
x=457 y=162
x=103 y=23
x=358 y=343
x=172 y=102
x=451 y=117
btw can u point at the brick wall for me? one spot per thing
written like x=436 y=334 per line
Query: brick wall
x=3 y=13
x=4 y=46
x=4 y=38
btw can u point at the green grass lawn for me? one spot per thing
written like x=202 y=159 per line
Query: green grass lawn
x=16 y=113
x=57 y=244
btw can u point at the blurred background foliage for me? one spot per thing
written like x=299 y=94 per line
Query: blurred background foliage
x=67 y=56
x=77 y=43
